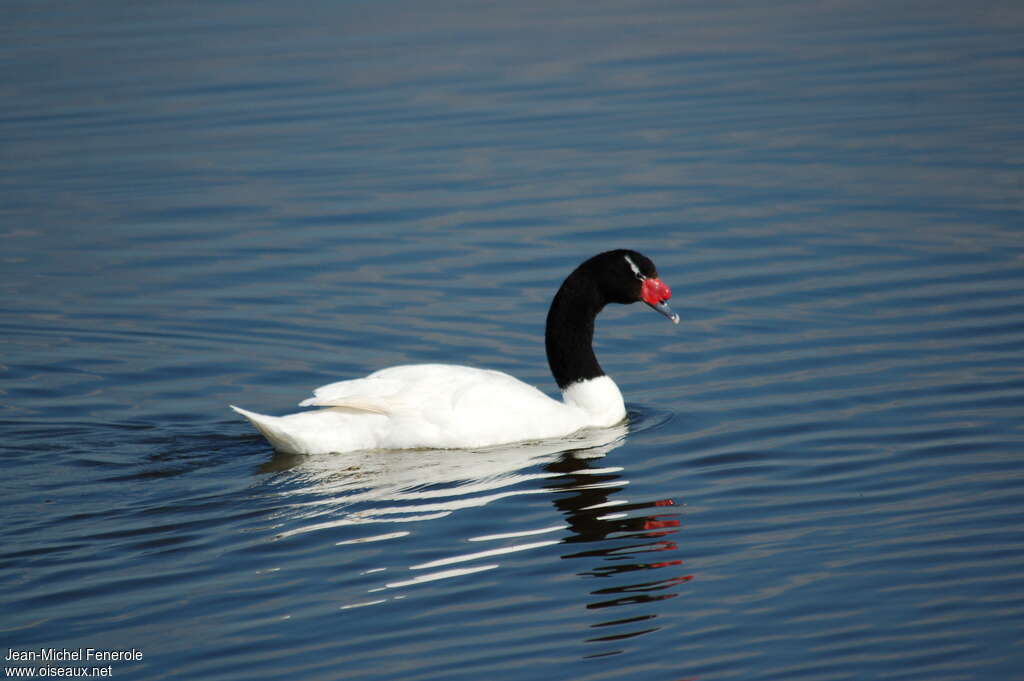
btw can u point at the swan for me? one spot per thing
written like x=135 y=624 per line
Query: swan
x=445 y=406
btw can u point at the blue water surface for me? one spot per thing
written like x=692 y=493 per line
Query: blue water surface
x=822 y=477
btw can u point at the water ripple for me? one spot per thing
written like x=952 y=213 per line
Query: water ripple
x=821 y=475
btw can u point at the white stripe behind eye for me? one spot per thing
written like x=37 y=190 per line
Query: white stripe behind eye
x=636 y=270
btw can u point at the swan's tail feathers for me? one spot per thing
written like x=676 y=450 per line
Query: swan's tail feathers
x=274 y=429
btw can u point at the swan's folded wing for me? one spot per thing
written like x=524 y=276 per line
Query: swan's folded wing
x=365 y=404
x=376 y=395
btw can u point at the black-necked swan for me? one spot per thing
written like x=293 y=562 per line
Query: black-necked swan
x=445 y=406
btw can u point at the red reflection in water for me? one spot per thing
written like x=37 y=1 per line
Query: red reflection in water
x=618 y=535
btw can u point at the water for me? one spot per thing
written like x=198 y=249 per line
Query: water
x=213 y=203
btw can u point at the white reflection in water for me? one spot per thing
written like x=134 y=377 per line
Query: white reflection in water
x=333 y=490
x=343 y=493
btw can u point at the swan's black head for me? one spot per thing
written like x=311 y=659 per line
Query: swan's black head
x=612 y=277
x=626 y=277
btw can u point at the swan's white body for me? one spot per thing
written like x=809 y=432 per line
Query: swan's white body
x=438 y=406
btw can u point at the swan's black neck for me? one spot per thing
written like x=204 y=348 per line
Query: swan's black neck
x=569 y=334
x=611 y=277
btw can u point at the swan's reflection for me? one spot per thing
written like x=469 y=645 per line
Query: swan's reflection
x=400 y=486
x=622 y=550
x=622 y=542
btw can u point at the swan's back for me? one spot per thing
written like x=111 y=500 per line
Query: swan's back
x=438 y=406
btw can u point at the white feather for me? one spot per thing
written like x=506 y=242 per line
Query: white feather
x=437 y=406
